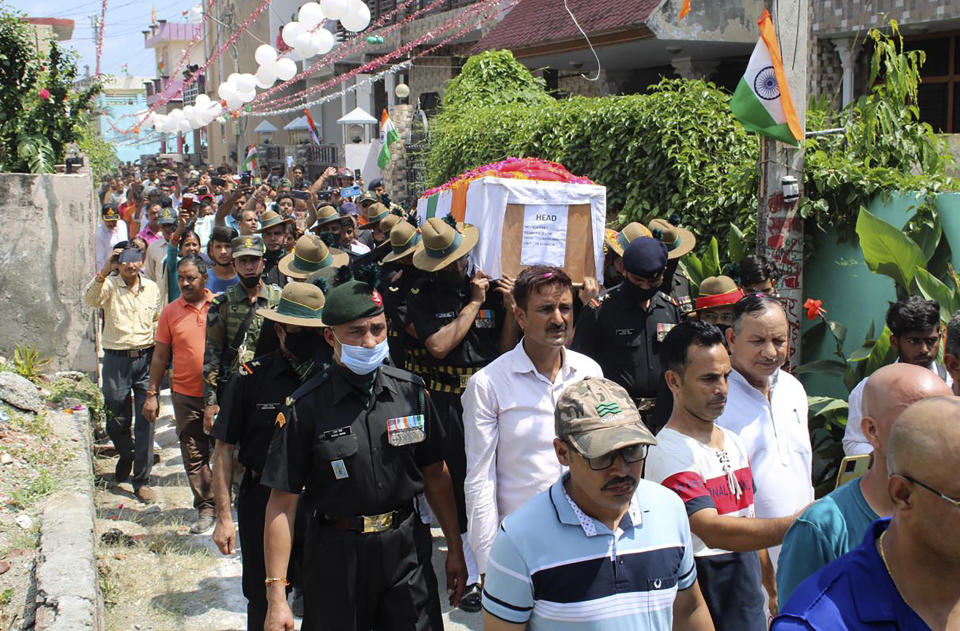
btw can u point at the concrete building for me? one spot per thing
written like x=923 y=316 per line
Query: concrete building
x=169 y=40
x=46 y=30
x=122 y=98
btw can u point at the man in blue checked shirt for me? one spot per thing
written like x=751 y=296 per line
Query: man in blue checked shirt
x=602 y=548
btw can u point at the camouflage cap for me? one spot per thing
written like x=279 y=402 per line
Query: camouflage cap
x=598 y=416
x=248 y=245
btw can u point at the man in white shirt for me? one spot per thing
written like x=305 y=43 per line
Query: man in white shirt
x=767 y=409
x=508 y=407
x=110 y=232
x=914 y=325
x=153 y=265
x=708 y=467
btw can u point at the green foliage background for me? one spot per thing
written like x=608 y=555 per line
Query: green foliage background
x=673 y=151
x=35 y=132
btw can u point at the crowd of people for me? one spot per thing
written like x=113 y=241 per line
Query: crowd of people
x=624 y=455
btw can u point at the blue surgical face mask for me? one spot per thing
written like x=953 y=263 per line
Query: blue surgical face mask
x=361 y=360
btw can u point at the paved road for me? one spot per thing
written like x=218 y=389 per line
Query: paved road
x=187 y=584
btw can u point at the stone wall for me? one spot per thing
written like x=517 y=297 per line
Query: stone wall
x=845 y=16
x=46 y=258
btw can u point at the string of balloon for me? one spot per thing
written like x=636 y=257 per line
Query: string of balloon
x=467 y=16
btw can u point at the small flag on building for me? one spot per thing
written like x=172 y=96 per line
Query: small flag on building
x=123 y=69
x=762 y=101
x=313 y=128
x=388 y=136
x=684 y=10
x=250 y=162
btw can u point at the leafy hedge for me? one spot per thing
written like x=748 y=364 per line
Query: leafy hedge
x=675 y=150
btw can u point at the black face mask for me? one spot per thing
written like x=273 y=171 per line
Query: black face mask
x=250 y=281
x=638 y=293
x=304 y=344
x=273 y=256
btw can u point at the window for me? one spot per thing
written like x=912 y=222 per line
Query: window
x=939 y=92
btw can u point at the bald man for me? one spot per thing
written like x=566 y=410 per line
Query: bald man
x=836 y=524
x=906 y=574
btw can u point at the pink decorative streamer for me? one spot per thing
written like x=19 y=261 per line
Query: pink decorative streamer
x=102 y=25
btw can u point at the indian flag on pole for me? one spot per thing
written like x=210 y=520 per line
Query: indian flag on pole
x=250 y=162
x=762 y=101
x=388 y=136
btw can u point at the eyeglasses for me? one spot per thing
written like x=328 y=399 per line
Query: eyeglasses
x=630 y=454
x=956 y=503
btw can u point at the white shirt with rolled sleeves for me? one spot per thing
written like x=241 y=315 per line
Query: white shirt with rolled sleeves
x=105 y=239
x=777 y=440
x=854 y=441
x=509 y=429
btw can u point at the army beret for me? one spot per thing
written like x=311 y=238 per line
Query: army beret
x=350 y=301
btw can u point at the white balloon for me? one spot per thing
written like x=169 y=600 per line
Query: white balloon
x=267 y=76
x=358 y=18
x=227 y=91
x=234 y=103
x=302 y=40
x=322 y=41
x=202 y=101
x=335 y=9
x=184 y=125
x=310 y=14
x=246 y=82
x=213 y=110
x=247 y=96
x=305 y=52
x=286 y=68
x=232 y=79
x=265 y=54
x=290 y=32
x=175 y=115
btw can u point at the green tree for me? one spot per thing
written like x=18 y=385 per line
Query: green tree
x=40 y=112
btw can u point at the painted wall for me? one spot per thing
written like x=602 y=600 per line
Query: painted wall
x=46 y=259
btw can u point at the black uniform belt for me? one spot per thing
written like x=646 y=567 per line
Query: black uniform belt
x=450 y=379
x=368 y=524
x=132 y=352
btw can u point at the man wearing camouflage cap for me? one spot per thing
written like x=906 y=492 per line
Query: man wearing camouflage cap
x=233 y=326
x=360 y=441
x=609 y=550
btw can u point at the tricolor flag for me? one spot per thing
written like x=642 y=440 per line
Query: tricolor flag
x=762 y=101
x=312 y=127
x=250 y=162
x=684 y=10
x=388 y=136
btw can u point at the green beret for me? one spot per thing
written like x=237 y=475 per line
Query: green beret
x=350 y=301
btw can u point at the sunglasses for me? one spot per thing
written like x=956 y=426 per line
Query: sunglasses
x=630 y=454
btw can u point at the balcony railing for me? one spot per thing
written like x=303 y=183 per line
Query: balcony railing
x=315 y=158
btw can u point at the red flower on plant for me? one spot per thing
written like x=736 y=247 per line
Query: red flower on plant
x=44 y=94
x=814 y=308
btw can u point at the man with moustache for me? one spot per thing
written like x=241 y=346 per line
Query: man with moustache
x=915 y=334
x=273 y=230
x=838 y=522
x=767 y=410
x=707 y=467
x=602 y=548
x=508 y=407
x=233 y=326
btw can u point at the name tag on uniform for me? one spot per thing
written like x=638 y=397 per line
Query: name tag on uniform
x=339 y=470
x=485 y=319
x=266 y=407
x=330 y=434
x=662 y=330
x=625 y=331
x=406 y=430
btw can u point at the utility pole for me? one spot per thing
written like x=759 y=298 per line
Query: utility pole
x=779 y=225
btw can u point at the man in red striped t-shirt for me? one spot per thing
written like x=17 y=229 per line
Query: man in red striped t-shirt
x=707 y=466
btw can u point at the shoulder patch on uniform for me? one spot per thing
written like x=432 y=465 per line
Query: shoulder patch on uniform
x=414 y=290
x=247 y=368
x=281 y=419
x=598 y=300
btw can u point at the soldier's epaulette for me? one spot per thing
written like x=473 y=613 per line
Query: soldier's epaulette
x=414 y=290
x=403 y=375
x=670 y=299
x=218 y=299
x=598 y=300
x=393 y=288
x=308 y=386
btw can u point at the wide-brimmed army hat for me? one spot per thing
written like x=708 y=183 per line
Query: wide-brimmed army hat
x=310 y=254
x=679 y=241
x=404 y=240
x=300 y=304
x=718 y=291
x=618 y=241
x=443 y=244
x=372 y=214
x=269 y=219
x=325 y=214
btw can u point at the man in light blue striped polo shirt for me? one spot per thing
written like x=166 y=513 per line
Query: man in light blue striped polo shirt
x=602 y=548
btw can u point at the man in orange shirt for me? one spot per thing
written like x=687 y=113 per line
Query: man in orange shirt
x=181 y=333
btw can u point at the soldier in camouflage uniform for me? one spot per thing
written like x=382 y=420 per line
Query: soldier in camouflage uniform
x=233 y=326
